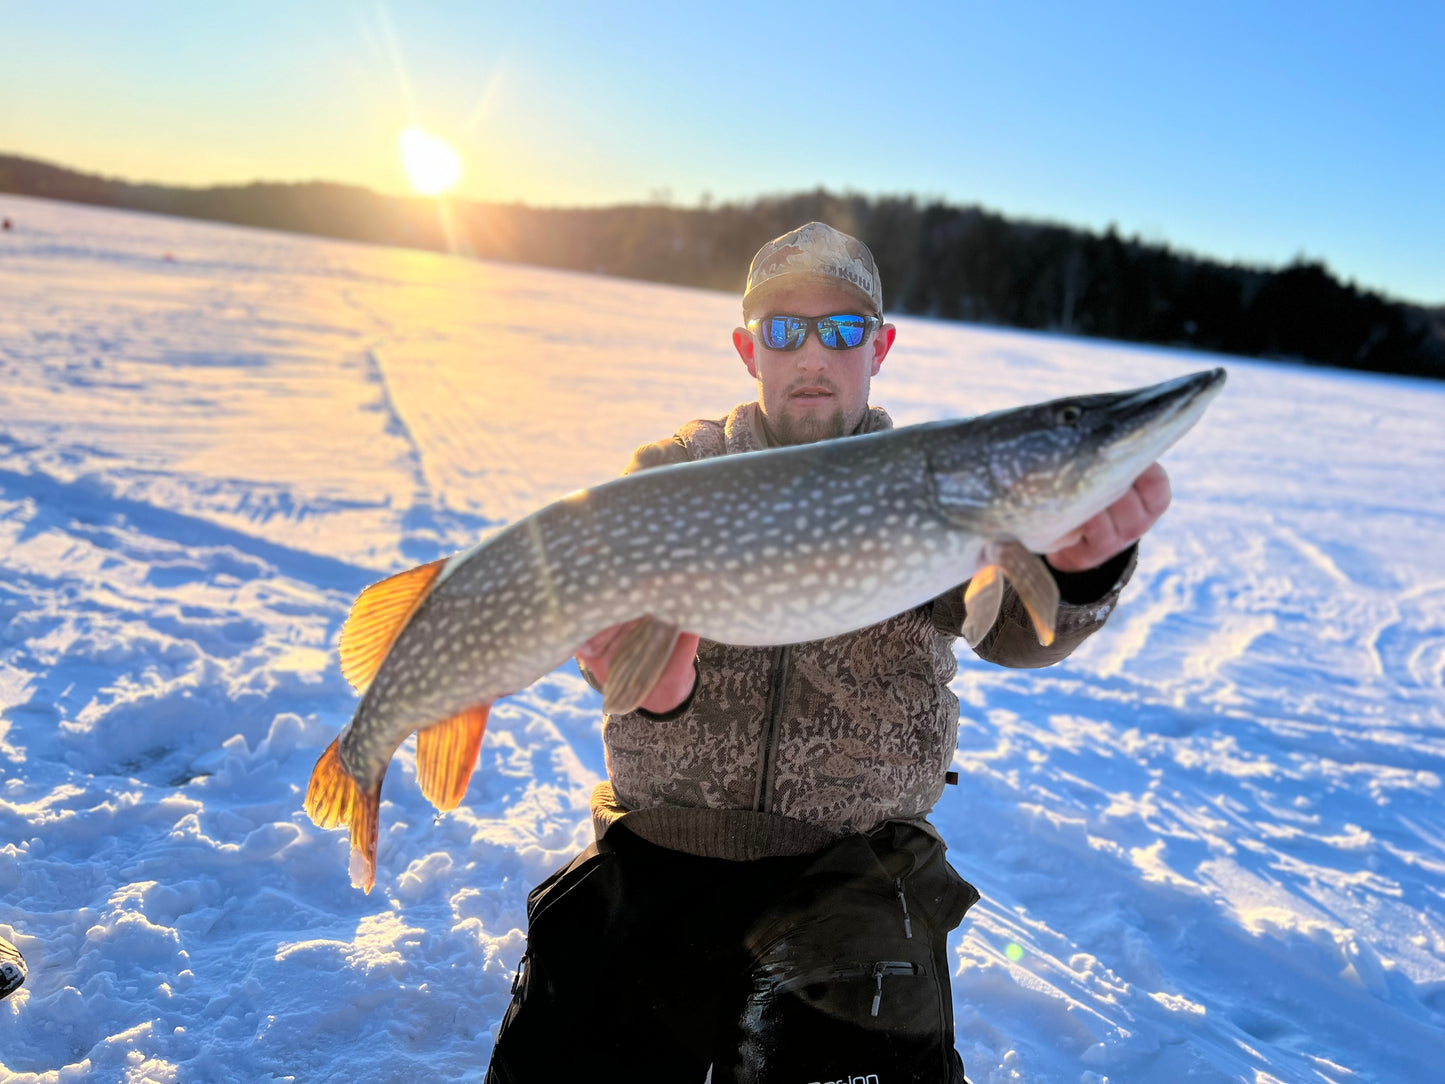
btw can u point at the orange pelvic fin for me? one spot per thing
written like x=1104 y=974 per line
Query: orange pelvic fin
x=1036 y=588
x=333 y=799
x=981 y=603
x=447 y=753
x=377 y=617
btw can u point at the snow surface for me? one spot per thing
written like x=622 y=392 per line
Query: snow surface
x=1211 y=844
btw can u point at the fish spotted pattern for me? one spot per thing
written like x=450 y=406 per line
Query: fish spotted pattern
x=773 y=547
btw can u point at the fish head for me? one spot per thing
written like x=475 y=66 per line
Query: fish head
x=1037 y=472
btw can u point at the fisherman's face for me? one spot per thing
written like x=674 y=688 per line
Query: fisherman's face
x=812 y=393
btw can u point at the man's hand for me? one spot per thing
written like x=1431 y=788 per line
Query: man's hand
x=672 y=688
x=1117 y=527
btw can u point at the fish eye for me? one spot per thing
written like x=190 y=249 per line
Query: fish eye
x=1070 y=414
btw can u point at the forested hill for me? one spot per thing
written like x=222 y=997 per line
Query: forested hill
x=936 y=259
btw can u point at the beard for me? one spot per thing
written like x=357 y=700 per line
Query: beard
x=804 y=427
x=789 y=429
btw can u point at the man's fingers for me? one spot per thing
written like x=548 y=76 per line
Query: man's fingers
x=1139 y=509
x=687 y=646
x=1100 y=542
x=1127 y=520
x=676 y=682
x=1154 y=491
x=1070 y=539
x=598 y=650
x=1117 y=527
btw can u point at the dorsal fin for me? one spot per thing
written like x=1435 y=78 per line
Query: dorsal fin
x=377 y=617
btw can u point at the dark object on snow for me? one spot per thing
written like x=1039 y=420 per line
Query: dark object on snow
x=12 y=964
x=5 y=225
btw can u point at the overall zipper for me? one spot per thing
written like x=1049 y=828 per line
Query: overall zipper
x=888 y=967
x=876 y=971
x=903 y=902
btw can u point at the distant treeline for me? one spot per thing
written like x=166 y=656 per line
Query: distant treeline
x=936 y=259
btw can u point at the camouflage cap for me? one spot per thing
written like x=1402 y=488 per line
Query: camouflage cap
x=815 y=251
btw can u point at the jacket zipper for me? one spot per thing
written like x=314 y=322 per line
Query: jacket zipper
x=772 y=724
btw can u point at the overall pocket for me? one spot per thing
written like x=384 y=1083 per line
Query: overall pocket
x=815 y=985
x=849 y=1019
x=564 y=882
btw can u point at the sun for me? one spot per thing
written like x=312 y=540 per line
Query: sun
x=431 y=165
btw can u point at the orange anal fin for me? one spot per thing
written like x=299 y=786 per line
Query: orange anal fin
x=446 y=755
x=377 y=617
x=333 y=799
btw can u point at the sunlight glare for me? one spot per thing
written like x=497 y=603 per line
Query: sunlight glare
x=431 y=165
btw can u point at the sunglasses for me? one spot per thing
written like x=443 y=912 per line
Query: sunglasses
x=842 y=331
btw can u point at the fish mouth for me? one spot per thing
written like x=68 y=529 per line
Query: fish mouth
x=1172 y=396
x=1160 y=414
x=1132 y=430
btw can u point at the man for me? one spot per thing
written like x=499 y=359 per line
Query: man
x=766 y=901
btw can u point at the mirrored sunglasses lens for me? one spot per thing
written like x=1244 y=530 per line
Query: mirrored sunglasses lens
x=783 y=332
x=842 y=332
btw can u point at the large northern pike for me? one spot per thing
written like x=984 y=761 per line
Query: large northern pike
x=774 y=547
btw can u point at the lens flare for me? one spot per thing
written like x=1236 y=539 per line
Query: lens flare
x=431 y=165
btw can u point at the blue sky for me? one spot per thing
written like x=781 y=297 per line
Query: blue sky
x=1243 y=131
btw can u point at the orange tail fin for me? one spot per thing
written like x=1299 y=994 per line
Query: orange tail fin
x=333 y=798
x=446 y=755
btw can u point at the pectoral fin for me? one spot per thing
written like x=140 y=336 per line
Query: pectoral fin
x=638 y=663
x=446 y=755
x=1036 y=587
x=981 y=602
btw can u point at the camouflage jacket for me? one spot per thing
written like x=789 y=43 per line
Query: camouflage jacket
x=781 y=749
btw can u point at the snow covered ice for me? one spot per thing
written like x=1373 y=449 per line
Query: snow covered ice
x=1211 y=845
